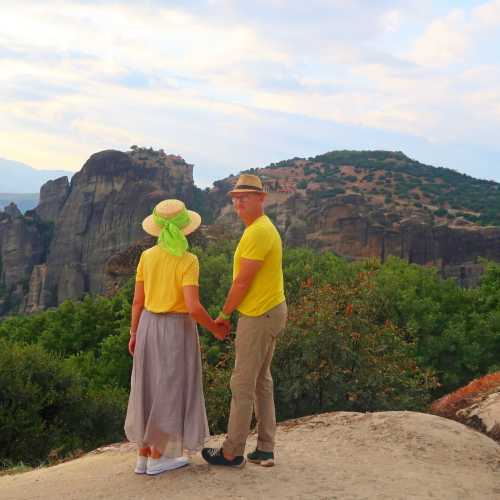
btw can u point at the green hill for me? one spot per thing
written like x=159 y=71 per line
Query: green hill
x=393 y=179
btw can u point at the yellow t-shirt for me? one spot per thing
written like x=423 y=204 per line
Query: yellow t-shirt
x=164 y=275
x=261 y=241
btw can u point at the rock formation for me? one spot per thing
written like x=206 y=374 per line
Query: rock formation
x=341 y=455
x=102 y=215
x=59 y=250
x=354 y=211
x=356 y=226
x=476 y=405
x=21 y=247
x=53 y=194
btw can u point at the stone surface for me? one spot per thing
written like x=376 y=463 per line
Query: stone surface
x=21 y=247
x=53 y=194
x=102 y=215
x=344 y=456
x=476 y=405
x=12 y=210
x=485 y=415
x=354 y=227
x=34 y=301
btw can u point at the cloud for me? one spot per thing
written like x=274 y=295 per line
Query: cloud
x=488 y=14
x=444 y=42
x=209 y=79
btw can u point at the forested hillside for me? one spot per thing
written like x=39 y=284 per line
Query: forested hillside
x=397 y=182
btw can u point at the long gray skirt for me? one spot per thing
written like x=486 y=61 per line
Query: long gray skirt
x=166 y=407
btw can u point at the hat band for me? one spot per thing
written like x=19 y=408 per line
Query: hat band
x=247 y=186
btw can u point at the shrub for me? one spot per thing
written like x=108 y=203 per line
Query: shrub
x=46 y=409
x=441 y=212
x=335 y=355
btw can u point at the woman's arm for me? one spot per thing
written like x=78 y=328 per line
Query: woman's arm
x=199 y=313
x=137 y=307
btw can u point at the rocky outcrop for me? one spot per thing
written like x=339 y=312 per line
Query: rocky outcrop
x=12 y=210
x=59 y=250
x=353 y=227
x=122 y=265
x=34 y=299
x=53 y=194
x=476 y=405
x=80 y=226
x=22 y=246
x=108 y=198
x=340 y=455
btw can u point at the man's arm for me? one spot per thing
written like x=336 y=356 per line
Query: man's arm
x=240 y=286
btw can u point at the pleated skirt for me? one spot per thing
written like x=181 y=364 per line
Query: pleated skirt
x=166 y=407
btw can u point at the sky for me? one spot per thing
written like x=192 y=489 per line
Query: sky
x=230 y=85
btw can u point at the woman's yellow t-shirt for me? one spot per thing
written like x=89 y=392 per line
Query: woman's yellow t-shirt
x=164 y=275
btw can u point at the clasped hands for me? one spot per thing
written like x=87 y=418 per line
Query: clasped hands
x=223 y=328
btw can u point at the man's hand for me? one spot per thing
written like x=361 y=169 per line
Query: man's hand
x=225 y=323
x=220 y=332
x=131 y=344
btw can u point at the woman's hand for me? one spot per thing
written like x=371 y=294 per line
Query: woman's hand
x=219 y=331
x=131 y=344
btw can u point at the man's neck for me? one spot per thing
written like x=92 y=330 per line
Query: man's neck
x=251 y=220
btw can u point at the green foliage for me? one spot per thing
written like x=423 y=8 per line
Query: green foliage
x=333 y=355
x=328 y=193
x=46 y=408
x=350 y=178
x=456 y=331
x=441 y=212
x=361 y=336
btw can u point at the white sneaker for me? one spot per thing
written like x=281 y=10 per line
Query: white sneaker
x=159 y=465
x=141 y=465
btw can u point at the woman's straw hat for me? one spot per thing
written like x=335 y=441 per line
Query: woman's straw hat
x=168 y=209
x=248 y=183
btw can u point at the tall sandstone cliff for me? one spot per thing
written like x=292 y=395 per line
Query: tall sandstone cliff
x=59 y=250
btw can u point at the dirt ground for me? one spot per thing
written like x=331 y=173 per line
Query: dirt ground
x=344 y=456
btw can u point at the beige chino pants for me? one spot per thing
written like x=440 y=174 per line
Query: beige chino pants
x=251 y=380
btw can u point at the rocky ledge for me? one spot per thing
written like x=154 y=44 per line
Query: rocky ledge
x=348 y=456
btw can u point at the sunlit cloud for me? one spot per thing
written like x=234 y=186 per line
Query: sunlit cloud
x=233 y=84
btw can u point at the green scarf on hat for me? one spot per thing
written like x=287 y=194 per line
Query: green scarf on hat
x=171 y=238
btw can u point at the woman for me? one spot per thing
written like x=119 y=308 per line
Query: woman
x=166 y=409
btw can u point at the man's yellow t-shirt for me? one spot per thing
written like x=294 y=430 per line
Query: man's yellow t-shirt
x=261 y=241
x=164 y=275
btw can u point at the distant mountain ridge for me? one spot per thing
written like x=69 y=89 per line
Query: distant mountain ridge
x=23 y=201
x=17 y=177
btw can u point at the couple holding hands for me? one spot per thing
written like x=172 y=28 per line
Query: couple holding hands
x=166 y=411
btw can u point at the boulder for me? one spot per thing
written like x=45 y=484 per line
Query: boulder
x=476 y=405
x=348 y=456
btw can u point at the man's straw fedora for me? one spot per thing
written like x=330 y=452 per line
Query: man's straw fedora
x=248 y=183
x=168 y=209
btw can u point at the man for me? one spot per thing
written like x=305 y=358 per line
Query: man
x=257 y=293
